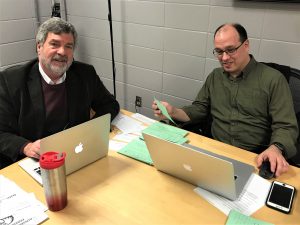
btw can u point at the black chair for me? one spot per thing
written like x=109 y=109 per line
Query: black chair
x=293 y=77
x=202 y=128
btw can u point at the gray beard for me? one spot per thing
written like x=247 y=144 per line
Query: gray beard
x=58 y=70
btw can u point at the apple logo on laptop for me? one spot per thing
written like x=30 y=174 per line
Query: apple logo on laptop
x=187 y=167
x=79 y=148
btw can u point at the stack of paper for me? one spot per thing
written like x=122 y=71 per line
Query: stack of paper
x=137 y=148
x=130 y=129
x=18 y=206
x=167 y=132
x=127 y=124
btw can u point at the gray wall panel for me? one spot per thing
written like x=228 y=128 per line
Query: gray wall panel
x=163 y=48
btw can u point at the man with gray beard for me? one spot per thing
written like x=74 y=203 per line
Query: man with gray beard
x=48 y=94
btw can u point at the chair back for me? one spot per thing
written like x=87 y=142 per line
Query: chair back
x=292 y=75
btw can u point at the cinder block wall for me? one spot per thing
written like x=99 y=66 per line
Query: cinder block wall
x=163 y=48
x=19 y=20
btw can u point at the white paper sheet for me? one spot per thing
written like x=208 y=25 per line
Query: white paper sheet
x=116 y=145
x=143 y=118
x=19 y=207
x=126 y=124
x=127 y=137
x=252 y=198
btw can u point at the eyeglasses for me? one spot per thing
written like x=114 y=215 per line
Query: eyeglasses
x=230 y=51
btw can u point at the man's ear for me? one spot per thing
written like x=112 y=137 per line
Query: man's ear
x=247 y=44
x=38 y=48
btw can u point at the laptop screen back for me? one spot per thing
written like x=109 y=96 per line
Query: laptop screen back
x=83 y=144
x=198 y=168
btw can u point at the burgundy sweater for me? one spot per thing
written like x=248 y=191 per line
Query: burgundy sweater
x=55 y=100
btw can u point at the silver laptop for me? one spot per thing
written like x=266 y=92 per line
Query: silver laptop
x=83 y=144
x=221 y=175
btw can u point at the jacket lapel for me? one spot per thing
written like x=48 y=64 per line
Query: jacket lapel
x=75 y=95
x=35 y=92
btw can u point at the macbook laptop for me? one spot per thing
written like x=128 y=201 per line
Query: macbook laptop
x=83 y=144
x=221 y=175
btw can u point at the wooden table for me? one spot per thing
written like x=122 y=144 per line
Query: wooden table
x=120 y=190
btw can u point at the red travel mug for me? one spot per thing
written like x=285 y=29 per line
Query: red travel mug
x=54 y=179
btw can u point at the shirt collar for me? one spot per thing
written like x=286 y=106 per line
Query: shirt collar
x=245 y=72
x=48 y=80
x=250 y=66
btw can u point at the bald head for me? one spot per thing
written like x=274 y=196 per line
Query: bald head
x=241 y=31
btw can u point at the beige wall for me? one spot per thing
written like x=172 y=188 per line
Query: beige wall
x=163 y=48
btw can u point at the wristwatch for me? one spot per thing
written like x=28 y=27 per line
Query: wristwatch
x=280 y=147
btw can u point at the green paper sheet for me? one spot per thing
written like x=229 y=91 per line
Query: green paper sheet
x=137 y=149
x=237 y=218
x=163 y=110
x=167 y=132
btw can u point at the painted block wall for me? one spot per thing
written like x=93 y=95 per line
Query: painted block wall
x=19 y=20
x=163 y=48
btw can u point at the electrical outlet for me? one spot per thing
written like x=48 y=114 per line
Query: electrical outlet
x=138 y=101
x=56 y=10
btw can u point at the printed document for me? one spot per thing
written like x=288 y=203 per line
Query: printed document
x=252 y=198
x=19 y=207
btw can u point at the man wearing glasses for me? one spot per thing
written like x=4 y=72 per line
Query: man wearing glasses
x=250 y=103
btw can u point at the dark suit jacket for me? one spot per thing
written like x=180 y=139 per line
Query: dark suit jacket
x=22 y=111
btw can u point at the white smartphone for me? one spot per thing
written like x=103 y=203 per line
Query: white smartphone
x=281 y=196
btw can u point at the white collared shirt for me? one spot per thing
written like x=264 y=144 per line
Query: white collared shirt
x=48 y=80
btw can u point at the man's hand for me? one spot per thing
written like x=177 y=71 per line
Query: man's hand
x=32 y=149
x=175 y=113
x=278 y=163
x=158 y=112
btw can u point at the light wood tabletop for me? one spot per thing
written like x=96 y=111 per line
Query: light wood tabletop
x=121 y=190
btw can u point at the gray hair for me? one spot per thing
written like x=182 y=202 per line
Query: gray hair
x=55 y=25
